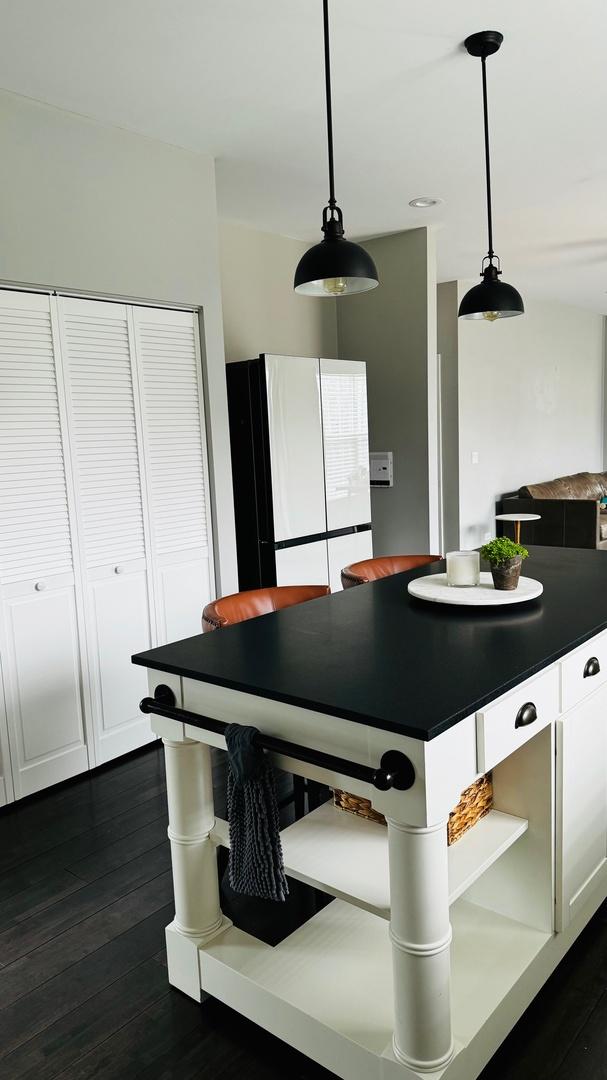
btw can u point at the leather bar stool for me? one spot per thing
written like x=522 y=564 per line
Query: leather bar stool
x=239 y=607
x=384 y=566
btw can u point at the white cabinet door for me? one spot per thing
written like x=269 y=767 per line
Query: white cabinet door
x=344 y=550
x=172 y=408
x=107 y=467
x=296 y=453
x=581 y=803
x=119 y=626
x=39 y=627
x=6 y=780
x=346 y=442
x=303 y=564
x=41 y=665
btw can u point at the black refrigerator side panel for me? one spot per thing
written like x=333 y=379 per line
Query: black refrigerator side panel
x=251 y=477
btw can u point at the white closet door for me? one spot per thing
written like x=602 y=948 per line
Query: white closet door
x=106 y=460
x=6 y=781
x=170 y=382
x=296 y=456
x=346 y=442
x=39 y=625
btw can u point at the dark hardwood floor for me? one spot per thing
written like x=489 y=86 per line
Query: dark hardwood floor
x=85 y=894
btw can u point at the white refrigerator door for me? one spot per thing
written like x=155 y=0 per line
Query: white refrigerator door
x=344 y=550
x=295 y=434
x=346 y=442
x=304 y=564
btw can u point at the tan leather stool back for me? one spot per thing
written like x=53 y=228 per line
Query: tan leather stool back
x=384 y=566
x=241 y=606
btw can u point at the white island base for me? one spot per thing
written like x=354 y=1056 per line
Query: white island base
x=428 y=955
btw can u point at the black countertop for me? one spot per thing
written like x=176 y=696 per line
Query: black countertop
x=376 y=656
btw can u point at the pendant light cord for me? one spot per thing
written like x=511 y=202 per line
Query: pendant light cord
x=487 y=160
x=332 y=202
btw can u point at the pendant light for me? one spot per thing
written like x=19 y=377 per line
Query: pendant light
x=334 y=267
x=492 y=299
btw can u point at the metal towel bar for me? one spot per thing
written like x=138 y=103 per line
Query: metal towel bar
x=395 y=769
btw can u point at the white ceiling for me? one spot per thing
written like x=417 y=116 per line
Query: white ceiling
x=242 y=80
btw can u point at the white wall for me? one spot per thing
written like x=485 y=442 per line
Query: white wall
x=94 y=208
x=393 y=328
x=530 y=404
x=261 y=312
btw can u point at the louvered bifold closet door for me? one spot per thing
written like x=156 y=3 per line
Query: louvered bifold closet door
x=109 y=481
x=39 y=593
x=168 y=357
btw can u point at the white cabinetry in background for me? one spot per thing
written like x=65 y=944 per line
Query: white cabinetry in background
x=39 y=622
x=107 y=463
x=104 y=522
x=581 y=801
x=178 y=497
x=296 y=448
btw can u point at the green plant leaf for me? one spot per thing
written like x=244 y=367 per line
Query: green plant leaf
x=501 y=549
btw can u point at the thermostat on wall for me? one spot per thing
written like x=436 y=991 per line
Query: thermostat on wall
x=380 y=463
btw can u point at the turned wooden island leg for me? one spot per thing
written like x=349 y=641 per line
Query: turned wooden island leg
x=421 y=935
x=198 y=914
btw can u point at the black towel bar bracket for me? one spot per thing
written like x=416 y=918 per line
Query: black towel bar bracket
x=395 y=769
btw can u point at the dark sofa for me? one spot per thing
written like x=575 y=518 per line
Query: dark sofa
x=569 y=507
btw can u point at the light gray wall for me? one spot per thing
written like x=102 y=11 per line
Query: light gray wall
x=447 y=344
x=261 y=312
x=393 y=328
x=530 y=404
x=97 y=209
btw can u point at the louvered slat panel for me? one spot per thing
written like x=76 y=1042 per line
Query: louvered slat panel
x=104 y=431
x=175 y=459
x=34 y=524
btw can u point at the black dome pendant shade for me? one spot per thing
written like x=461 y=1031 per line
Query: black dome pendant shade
x=492 y=299
x=335 y=266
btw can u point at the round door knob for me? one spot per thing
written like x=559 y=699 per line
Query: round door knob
x=40 y=586
x=119 y=569
x=592 y=667
x=527 y=714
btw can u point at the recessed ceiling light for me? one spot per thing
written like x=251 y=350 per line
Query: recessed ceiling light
x=423 y=202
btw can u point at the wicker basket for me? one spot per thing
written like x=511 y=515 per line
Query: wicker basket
x=474 y=803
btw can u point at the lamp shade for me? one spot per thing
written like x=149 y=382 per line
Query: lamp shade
x=492 y=299
x=335 y=267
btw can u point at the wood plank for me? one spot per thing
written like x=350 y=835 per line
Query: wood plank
x=65 y=1041
x=30 y=934
x=71 y=946
x=151 y=1034
x=33 y=1012
x=131 y=813
x=113 y=856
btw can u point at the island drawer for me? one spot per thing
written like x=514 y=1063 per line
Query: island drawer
x=583 y=671
x=515 y=718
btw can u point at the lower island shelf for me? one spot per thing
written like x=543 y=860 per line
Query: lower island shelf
x=328 y=986
x=347 y=856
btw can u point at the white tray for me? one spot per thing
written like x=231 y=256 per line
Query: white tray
x=434 y=588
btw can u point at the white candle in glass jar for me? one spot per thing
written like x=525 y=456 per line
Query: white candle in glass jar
x=463 y=568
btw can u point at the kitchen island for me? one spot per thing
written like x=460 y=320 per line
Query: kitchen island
x=429 y=954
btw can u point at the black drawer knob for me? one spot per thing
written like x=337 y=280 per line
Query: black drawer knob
x=592 y=667
x=526 y=715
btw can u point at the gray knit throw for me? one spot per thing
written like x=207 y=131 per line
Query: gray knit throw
x=255 y=867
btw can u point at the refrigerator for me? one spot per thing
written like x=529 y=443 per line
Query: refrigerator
x=300 y=467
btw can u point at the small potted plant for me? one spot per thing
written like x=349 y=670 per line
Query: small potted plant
x=505 y=559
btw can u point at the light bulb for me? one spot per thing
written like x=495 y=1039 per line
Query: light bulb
x=335 y=286
x=491 y=316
